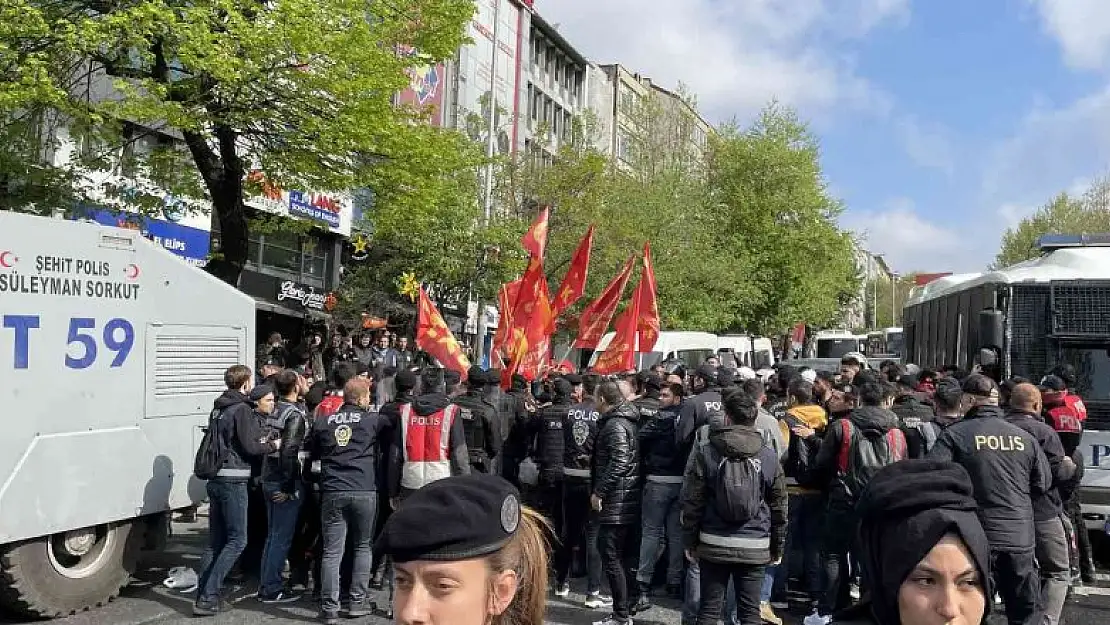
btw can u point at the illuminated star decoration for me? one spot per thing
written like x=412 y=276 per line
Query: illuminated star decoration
x=409 y=286
x=360 y=247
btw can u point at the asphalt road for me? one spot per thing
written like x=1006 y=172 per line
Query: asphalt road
x=146 y=601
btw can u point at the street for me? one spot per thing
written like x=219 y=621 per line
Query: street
x=147 y=601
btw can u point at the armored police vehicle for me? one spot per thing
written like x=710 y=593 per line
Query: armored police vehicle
x=111 y=353
x=1024 y=320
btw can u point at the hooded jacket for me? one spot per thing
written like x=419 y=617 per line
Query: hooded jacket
x=758 y=541
x=866 y=421
x=1049 y=505
x=456 y=454
x=616 y=466
x=242 y=434
x=1007 y=468
x=912 y=410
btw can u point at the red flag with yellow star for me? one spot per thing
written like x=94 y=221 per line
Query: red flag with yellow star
x=506 y=298
x=574 y=283
x=434 y=337
x=595 y=319
x=537 y=334
x=535 y=240
x=648 y=325
x=620 y=355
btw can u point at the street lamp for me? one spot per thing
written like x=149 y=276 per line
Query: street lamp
x=893 y=298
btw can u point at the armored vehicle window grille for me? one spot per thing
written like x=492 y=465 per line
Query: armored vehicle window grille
x=1081 y=309
x=187 y=365
x=1027 y=329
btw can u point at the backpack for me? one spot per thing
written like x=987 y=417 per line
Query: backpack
x=856 y=464
x=930 y=432
x=737 y=485
x=212 y=451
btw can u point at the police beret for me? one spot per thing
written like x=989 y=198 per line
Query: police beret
x=1053 y=383
x=476 y=376
x=260 y=391
x=456 y=518
x=405 y=380
x=451 y=378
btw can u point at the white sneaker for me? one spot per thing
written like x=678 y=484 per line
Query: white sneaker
x=1079 y=590
x=613 y=620
x=598 y=601
x=817 y=619
x=562 y=591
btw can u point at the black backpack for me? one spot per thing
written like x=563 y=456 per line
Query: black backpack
x=737 y=486
x=857 y=463
x=212 y=451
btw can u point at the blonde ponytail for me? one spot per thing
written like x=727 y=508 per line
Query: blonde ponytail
x=528 y=554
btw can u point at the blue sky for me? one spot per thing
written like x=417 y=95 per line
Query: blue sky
x=942 y=122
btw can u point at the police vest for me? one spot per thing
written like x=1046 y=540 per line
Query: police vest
x=425 y=441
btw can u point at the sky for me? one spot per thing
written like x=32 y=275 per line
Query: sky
x=941 y=122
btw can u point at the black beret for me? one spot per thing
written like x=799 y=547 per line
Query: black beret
x=456 y=518
x=1053 y=383
x=573 y=378
x=476 y=376
x=405 y=380
x=260 y=391
x=451 y=378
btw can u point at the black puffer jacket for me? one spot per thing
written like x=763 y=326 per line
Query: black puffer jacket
x=912 y=410
x=616 y=466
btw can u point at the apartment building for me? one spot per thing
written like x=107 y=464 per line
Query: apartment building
x=557 y=91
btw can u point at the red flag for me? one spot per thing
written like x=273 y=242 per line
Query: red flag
x=595 y=319
x=574 y=283
x=648 y=325
x=620 y=355
x=537 y=334
x=535 y=240
x=506 y=299
x=530 y=304
x=434 y=337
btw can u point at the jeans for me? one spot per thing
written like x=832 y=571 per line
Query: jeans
x=580 y=529
x=282 y=524
x=660 y=520
x=1055 y=566
x=693 y=598
x=1015 y=578
x=803 y=546
x=768 y=586
x=227 y=537
x=615 y=546
x=549 y=502
x=747 y=580
x=837 y=543
x=343 y=513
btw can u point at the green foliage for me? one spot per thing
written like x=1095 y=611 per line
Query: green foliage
x=1063 y=214
x=879 y=294
x=742 y=228
x=301 y=90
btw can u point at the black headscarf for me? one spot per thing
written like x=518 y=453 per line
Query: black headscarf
x=906 y=509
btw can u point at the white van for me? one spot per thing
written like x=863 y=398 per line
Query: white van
x=747 y=351
x=836 y=343
x=692 y=348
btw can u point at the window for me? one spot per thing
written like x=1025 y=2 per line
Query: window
x=1092 y=368
x=290 y=256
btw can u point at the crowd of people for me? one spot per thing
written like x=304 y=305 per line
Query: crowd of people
x=886 y=495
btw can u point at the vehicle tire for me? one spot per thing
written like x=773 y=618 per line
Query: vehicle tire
x=68 y=572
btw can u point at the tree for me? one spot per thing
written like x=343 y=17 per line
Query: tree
x=298 y=90
x=879 y=294
x=782 y=222
x=1063 y=214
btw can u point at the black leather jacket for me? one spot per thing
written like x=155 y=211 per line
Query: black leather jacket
x=284 y=466
x=616 y=466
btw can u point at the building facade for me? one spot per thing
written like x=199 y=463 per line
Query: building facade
x=557 y=91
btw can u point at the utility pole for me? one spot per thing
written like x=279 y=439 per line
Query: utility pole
x=893 y=299
x=491 y=150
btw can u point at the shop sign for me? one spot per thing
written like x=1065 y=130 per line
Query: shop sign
x=307 y=296
x=333 y=210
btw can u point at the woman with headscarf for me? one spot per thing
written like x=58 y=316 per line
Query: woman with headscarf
x=923 y=554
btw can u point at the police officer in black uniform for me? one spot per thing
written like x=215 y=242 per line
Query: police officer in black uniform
x=648 y=385
x=702 y=409
x=478 y=417
x=548 y=428
x=1009 y=470
x=580 y=524
x=345 y=444
x=513 y=416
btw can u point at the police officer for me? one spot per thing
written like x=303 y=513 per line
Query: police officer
x=648 y=385
x=580 y=526
x=702 y=409
x=1009 y=470
x=548 y=428
x=478 y=417
x=345 y=444
x=495 y=556
x=513 y=415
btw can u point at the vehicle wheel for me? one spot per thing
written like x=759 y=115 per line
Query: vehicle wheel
x=67 y=572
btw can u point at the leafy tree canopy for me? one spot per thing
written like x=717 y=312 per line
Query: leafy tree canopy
x=1063 y=214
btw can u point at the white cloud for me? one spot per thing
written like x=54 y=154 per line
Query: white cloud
x=911 y=243
x=1082 y=28
x=736 y=56
x=928 y=145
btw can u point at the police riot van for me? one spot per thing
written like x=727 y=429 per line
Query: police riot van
x=112 y=351
x=1023 y=320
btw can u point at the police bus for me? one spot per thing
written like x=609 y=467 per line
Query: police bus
x=1022 y=321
